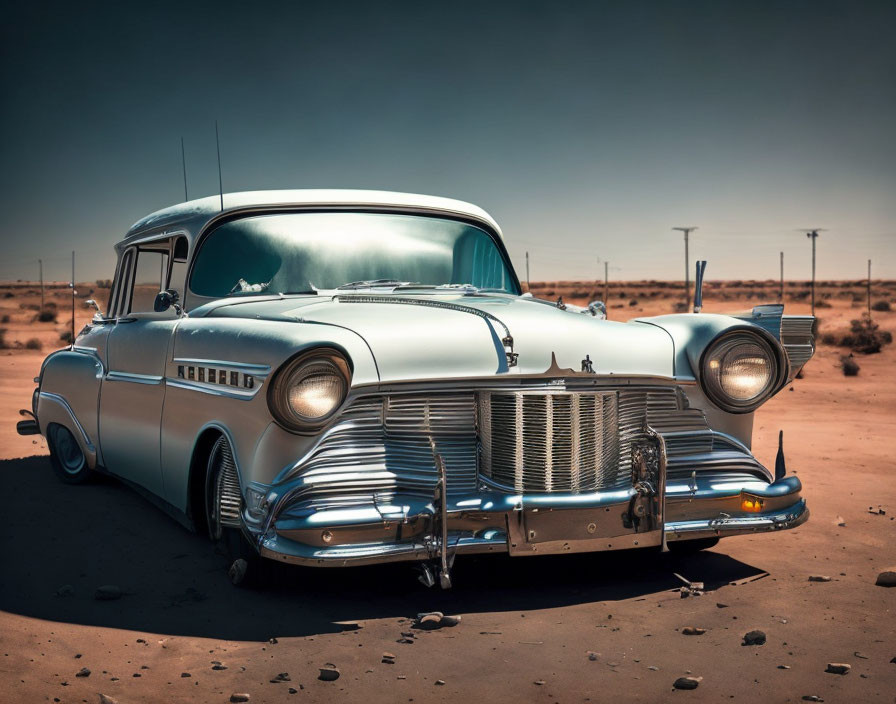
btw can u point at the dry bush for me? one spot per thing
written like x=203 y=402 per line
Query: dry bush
x=9 y=294
x=66 y=337
x=4 y=319
x=849 y=366
x=865 y=336
x=33 y=344
x=681 y=307
x=46 y=316
x=823 y=304
x=829 y=338
x=633 y=302
x=881 y=306
x=2 y=338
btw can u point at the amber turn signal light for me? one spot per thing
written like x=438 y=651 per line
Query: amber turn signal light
x=751 y=504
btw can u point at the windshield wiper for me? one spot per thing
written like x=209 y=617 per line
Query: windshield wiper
x=373 y=283
x=243 y=286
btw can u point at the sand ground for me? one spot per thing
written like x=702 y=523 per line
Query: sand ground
x=528 y=625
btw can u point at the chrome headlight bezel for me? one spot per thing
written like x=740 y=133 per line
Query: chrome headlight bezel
x=719 y=352
x=320 y=363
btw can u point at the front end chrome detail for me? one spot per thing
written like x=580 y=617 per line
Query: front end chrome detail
x=798 y=339
x=228 y=499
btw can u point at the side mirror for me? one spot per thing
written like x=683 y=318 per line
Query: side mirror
x=165 y=300
x=598 y=309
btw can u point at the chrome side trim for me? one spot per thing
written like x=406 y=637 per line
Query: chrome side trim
x=133 y=378
x=258 y=370
x=60 y=400
x=213 y=389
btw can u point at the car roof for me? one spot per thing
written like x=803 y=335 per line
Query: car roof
x=192 y=216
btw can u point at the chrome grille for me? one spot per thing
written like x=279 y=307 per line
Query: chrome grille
x=550 y=442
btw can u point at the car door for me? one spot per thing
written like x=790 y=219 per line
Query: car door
x=133 y=388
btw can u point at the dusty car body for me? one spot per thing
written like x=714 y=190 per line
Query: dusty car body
x=341 y=404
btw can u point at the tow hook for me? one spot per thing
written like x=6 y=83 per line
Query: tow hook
x=439 y=535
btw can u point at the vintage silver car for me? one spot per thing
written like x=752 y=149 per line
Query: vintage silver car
x=334 y=378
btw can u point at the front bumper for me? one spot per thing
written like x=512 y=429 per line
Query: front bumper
x=530 y=524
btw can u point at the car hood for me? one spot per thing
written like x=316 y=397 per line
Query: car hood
x=447 y=336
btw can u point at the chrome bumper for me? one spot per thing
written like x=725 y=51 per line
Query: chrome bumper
x=491 y=523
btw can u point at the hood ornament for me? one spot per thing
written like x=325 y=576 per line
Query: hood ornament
x=587 y=365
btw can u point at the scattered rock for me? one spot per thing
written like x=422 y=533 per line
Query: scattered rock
x=592 y=655
x=838 y=668
x=893 y=660
x=539 y=682
x=687 y=682
x=293 y=690
x=783 y=667
x=887 y=578
x=65 y=590
x=239 y=697
x=812 y=698
x=281 y=677
x=83 y=672
x=721 y=606
x=219 y=666
x=754 y=638
x=329 y=673
x=440 y=682
x=104 y=699
x=185 y=674
x=859 y=655
x=107 y=592
x=819 y=578
x=434 y=620
x=841 y=521
x=693 y=631
x=388 y=658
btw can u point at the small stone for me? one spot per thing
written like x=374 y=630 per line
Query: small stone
x=887 y=578
x=893 y=660
x=693 y=631
x=104 y=699
x=140 y=640
x=219 y=666
x=281 y=677
x=239 y=697
x=721 y=606
x=293 y=690
x=841 y=521
x=329 y=673
x=653 y=668
x=812 y=698
x=65 y=590
x=449 y=621
x=783 y=667
x=185 y=674
x=405 y=641
x=754 y=638
x=83 y=672
x=838 y=668
x=107 y=592
x=859 y=655
x=538 y=682
x=819 y=578
x=440 y=682
x=592 y=655
x=687 y=682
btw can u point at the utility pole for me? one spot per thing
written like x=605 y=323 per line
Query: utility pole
x=40 y=266
x=687 y=267
x=528 y=286
x=812 y=234
x=606 y=283
x=869 y=289
x=781 y=299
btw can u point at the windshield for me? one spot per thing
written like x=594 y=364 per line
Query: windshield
x=303 y=252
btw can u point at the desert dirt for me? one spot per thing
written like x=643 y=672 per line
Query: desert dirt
x=601 y=627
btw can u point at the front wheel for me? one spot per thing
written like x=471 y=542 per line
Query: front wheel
x=689 y=547
x=223 y=507
x=66 y=457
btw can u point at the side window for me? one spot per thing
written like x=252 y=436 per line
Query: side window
x=149 y=278
x=121 y=291
x=178 y=273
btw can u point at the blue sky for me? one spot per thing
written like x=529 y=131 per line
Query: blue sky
x=587 y=129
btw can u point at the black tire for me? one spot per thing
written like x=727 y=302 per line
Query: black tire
x=66 y=457
x=690 y=547
x=246 y=568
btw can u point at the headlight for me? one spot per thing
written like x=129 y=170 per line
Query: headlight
x=739 y=371
x=307 y=391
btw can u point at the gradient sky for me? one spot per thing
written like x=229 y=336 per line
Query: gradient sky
x=587 y=129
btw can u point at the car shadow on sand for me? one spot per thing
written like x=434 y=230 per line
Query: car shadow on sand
x=59 y=543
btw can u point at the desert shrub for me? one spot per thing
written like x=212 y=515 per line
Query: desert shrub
x=865 y=336
x=4 y=319
x=881 y=306
x=681 y=307
x=50 y=304
x=8 y=294
x=823 y=304
x=829 y=338
x=46 y=316
x=849 y=366
x=633 y=302
x=33 y=344
x=66 y=337
x=2 y=338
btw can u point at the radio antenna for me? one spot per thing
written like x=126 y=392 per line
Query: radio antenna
x=220 y=181
x=183 y=161
x=73 y=299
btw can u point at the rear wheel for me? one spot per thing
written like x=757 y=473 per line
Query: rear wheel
x=66 y=457
x=689 y=547
x=223 y=507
